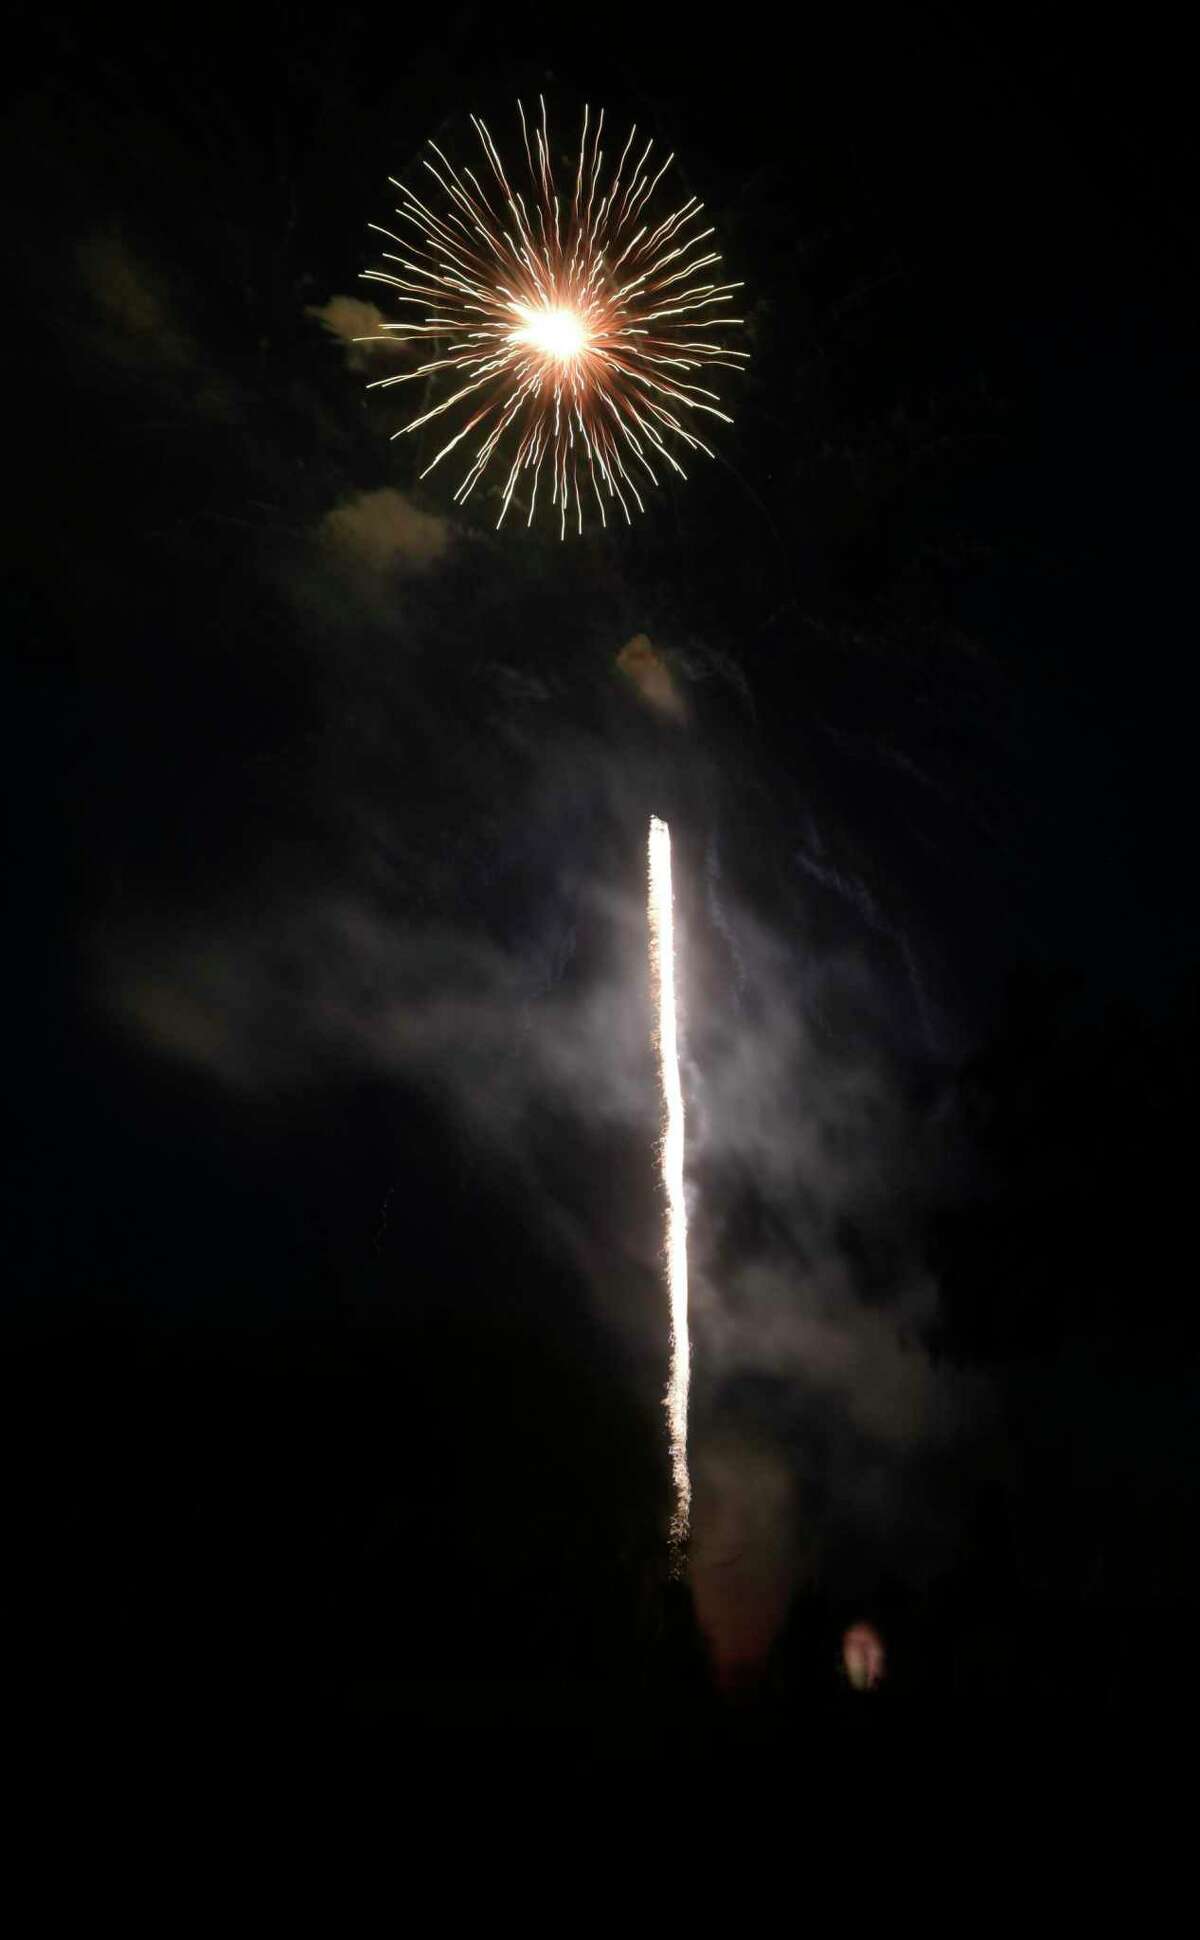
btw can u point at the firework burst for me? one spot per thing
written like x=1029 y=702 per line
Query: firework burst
x=571 y=326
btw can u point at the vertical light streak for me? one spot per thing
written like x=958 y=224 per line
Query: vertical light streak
x=671 y=1151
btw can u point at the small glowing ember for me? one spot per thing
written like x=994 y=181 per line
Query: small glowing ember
x=863 y=1657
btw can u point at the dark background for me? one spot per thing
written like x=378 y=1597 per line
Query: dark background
x=317 y=1420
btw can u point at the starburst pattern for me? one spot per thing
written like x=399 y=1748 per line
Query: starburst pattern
x=572 y=327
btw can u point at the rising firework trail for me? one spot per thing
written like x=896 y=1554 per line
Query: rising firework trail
x=574 y=321
x=662 y=970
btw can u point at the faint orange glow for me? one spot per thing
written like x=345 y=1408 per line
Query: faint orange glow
x=863 y=1658
x=745 y=1552
x=641 y=664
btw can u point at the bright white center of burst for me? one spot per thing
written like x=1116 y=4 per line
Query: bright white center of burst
x=555 y=333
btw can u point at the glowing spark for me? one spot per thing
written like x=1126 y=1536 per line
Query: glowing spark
x=863 y=1657
x=662 y=965
x=575 y=321
x=556 y=333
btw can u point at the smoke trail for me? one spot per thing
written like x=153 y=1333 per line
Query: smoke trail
x=720 y=922
x=662 y=968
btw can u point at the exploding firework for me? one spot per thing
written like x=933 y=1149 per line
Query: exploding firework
x=662 y=966
x=576 y=323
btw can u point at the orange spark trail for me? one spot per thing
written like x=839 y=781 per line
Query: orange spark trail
x=662 y=967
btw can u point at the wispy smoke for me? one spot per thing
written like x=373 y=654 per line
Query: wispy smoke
x=856 y=893
x=137 y=327
x=805 y=1160
x=352 y=322
x=383 y=530
x=649 y=674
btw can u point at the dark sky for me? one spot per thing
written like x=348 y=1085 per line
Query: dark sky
x=336 y=1321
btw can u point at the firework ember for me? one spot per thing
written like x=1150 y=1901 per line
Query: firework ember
x=863 y=1658
x=662 y=964
x=575 y=323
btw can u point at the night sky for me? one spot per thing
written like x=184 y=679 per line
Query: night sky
x=335 y=1324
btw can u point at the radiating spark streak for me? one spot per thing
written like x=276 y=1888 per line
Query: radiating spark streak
x=671 y=1152
x=526 y=306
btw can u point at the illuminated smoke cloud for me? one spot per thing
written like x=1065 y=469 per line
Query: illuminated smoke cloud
x=648 y=673
x=383 y=530
x=353 y=322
